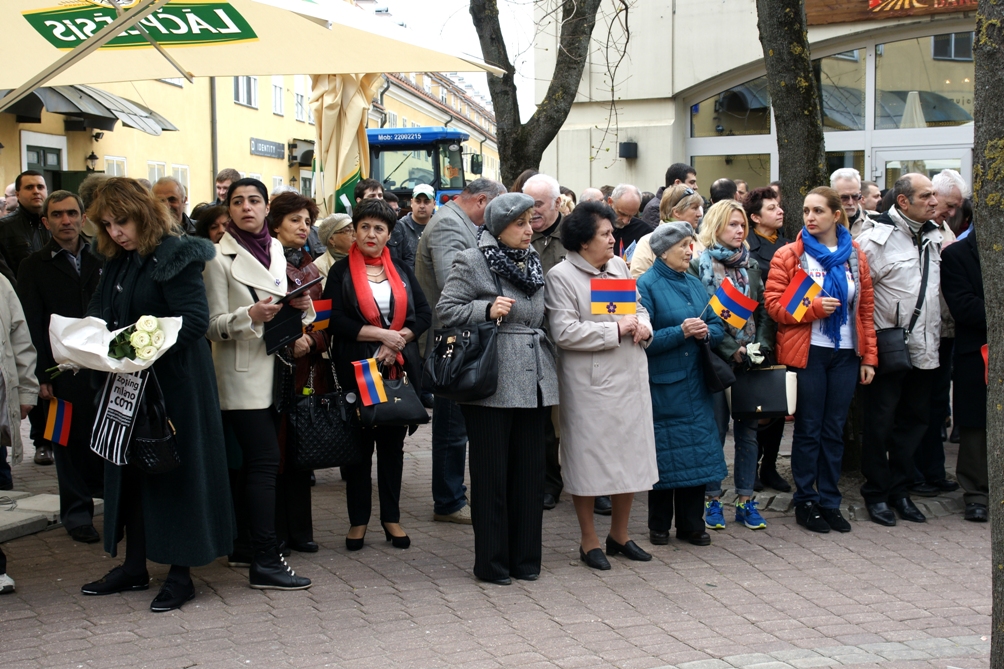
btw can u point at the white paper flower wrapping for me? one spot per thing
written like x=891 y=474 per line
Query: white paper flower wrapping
x=82 y=343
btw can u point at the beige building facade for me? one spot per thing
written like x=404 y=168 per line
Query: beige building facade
x=897 y=96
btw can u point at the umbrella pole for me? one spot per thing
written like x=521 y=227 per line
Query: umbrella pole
x=125 y=21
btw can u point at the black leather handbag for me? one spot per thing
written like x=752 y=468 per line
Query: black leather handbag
x=154 y=446
x=403 y=406
x=320 y=432
x=760 y=392
x=718 y=374
x=464 y=363
x=894 y=343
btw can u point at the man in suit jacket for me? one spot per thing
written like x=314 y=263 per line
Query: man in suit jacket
x=453 y=229
x=962 y=283
x=60 y=279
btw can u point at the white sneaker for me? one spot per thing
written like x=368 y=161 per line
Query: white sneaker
x=6 y=584
x=461 y=516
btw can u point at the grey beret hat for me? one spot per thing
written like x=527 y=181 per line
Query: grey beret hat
x=331 y=225
x=668 y=235
x=505 y=209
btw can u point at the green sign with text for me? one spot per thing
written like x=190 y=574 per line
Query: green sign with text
x=190 y=23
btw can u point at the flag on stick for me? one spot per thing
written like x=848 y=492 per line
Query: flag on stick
x=731 y=305
x=57 y=424
x=369 y=381
x=323 y=319
x=799 y=295
x=613 y=296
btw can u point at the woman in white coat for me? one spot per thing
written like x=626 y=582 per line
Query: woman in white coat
x=607 y=436
x=243 y=283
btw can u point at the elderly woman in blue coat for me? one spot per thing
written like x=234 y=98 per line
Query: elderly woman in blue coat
x=688 y=450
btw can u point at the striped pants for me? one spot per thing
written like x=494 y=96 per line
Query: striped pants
x=507 y=489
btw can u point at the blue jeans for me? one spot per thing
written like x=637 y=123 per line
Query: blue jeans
x=747 y=449
x=449 y=455
x=825 y=390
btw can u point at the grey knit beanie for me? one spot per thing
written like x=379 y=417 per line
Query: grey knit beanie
x=505 y=209
x=331 y=225
x=668 y=235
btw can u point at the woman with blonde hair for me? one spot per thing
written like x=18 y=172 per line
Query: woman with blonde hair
x=679 y=203
x=182 y=517
x=727 y=256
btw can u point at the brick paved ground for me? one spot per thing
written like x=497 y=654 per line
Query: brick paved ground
x=908 y=596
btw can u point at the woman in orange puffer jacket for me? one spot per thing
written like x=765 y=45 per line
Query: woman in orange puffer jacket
x=831 y=348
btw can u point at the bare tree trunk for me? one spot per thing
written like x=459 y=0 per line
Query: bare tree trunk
x=521 y=145
x=988 y=196
x=796 y=103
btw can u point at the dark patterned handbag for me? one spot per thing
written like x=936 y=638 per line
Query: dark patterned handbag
x=320 y=432
x=154 y=446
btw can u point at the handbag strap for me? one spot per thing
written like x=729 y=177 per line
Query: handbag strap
x=923 y=288
x=498 y=284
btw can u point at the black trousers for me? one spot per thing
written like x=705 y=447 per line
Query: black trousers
x=3 y=561
x=294 y=521
x=689 y=507
x=930 y=456
x=769 y=445
x=80 y=473
x=971 y=468
x=896 y=412
x=506 y=455
x=552 y=466
x=389 y=443
x=257 y=433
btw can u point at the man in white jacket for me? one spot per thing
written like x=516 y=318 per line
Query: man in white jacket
x=18 y=386
x=902 y=246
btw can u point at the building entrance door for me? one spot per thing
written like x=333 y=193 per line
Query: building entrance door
x=889 y=164
x=48 y=161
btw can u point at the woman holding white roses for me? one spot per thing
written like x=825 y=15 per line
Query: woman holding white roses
x=184 y=517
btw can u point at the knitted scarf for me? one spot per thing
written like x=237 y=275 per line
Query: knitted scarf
x=520 y=267
x=719 y=262
x=364 y=293
x=835 y=283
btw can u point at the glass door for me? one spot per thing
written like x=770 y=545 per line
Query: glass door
x=889 y=164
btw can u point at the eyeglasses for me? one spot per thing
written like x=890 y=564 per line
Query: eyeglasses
x=347 y=230
x=853 y=197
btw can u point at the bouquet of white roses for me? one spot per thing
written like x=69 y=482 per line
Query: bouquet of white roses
x=87 y=343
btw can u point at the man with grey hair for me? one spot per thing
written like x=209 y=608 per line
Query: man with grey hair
x=847 y=182
x=592 y=194
x=171 y=192
x=903 y=247
x=628 y=228
x=451 y=230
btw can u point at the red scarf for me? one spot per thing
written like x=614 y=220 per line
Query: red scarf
x=364 y=293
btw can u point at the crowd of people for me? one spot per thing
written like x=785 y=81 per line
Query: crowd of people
x=899 y=315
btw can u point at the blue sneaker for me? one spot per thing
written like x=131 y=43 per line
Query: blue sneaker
x=747 y=514
x=714 y=519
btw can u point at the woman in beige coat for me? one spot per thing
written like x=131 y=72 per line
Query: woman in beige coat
x=607 y=437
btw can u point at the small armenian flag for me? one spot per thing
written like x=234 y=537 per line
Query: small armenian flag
x=799 y=295
x=731 y=305
x=323 y=319
x=57 y=424
x=613 y=296
x=369 y=381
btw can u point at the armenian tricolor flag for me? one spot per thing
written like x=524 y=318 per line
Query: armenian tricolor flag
x=731 y=305
x=613 y=296
x=57 y=425
x=800 y=293
x=369 y=381
x=323 y=319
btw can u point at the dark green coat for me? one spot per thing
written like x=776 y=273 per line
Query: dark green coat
x=188 y=512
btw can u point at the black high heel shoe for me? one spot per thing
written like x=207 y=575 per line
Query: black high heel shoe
x=355 y=544
x=396 y=542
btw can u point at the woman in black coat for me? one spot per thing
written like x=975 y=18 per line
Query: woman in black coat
x=184 y=517
x=370 y=320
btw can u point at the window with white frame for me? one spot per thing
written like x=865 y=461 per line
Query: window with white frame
x=300 y=97
x=252 y=175
x=310 y=114
x=391 y=119
x=404 y=122
x=953 y=46
x=276 y=183
x=278 y=95
x=246 y=91
x=427 y=83
x=155 y=170
x=180 y=172
x=115 y=166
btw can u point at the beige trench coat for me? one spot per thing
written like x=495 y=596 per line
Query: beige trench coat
x=607 y=436
x=17 y=367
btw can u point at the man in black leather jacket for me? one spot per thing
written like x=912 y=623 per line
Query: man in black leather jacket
x=22 y=232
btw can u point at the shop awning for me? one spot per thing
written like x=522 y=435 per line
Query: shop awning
x=88 y=107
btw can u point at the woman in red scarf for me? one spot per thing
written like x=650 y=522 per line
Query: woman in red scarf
x=377 y=311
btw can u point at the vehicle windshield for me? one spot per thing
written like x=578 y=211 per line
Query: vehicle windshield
x=407 y=168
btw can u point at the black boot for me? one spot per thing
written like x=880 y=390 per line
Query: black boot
x=269 y=571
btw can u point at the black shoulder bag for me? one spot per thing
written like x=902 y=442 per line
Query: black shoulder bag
x=894 y=343
x=464 y=363
x=154 y=446
x=320 y=432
